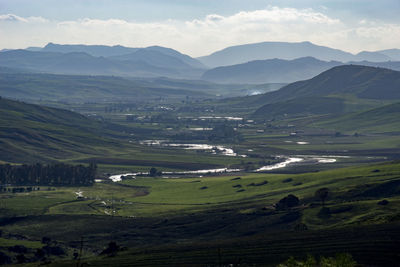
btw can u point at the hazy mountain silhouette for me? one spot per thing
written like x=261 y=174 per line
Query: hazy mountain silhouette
x=282 y=50
x=394 y=54
x=269 y=71
x=94 y=50
x=171 y=52
x=118 y=50
x=86 y=64
x=371 y=56
x=278 y=70
x=153 y=58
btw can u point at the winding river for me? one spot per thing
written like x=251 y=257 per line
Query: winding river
x=300 y=159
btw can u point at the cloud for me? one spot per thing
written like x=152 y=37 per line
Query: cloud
x=202 y=36
x=12 y=18
x=283 y=15
x=15 y=18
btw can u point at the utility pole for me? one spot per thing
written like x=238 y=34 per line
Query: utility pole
x=112 y=205
x=78 y=264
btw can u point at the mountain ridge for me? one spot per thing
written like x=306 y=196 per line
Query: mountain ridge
x=281 y=71
x=269 y=71
x=82 y=63
x=239 y=54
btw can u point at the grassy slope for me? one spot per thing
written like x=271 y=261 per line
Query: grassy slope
x=378 y=120
x=32 y=133
x=151 y=197
x=177 y=215
x=35 y=133
x=360 y=81
x=338 y=90
x=74 y=88
x=302 y=106
x=347 y=88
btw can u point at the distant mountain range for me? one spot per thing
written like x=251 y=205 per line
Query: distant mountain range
x=282 y=50
x=104 y=60
x=279 y=70
x=268 y=62
x=30 y=86
x=269 y=71
x=125 y=53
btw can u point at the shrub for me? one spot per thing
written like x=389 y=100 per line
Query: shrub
x=111 y=250
x=287 y=180
x=322 y=194
x=341 y=260
x=287 y=202
x=383 y=202
x=18 y=249
x=324 y=213
x=4 y=259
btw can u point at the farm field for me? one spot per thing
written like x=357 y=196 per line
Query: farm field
x=209 y=208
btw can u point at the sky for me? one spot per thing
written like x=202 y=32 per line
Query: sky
x=200 y=27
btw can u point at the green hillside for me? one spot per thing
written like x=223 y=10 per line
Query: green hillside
x=358 y=81
x=176 y=222
x=31 y=133
x=74 y=88
x=302 y=106
x=339 y=90
x=382 y=119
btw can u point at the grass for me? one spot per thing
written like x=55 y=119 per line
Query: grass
x=6 y=242
x=149 y=197
x=158 y=217
x=377 y=120
x=31 y=133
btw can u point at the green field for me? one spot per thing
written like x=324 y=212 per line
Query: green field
x=160 y=210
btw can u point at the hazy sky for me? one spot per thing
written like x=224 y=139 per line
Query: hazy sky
x=199 y=27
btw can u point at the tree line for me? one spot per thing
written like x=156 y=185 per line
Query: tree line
x=58 y=174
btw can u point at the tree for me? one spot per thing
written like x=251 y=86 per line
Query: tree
x=153 y=172
x=111 y=250
x=287 y=202
x=46 y=240
x=322 y=194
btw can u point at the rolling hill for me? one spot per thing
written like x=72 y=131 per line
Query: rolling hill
x=32 y=133
x=302 y=106
x=381 y=119
x=347 y=88
x=351 y=80
x=79 y=88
